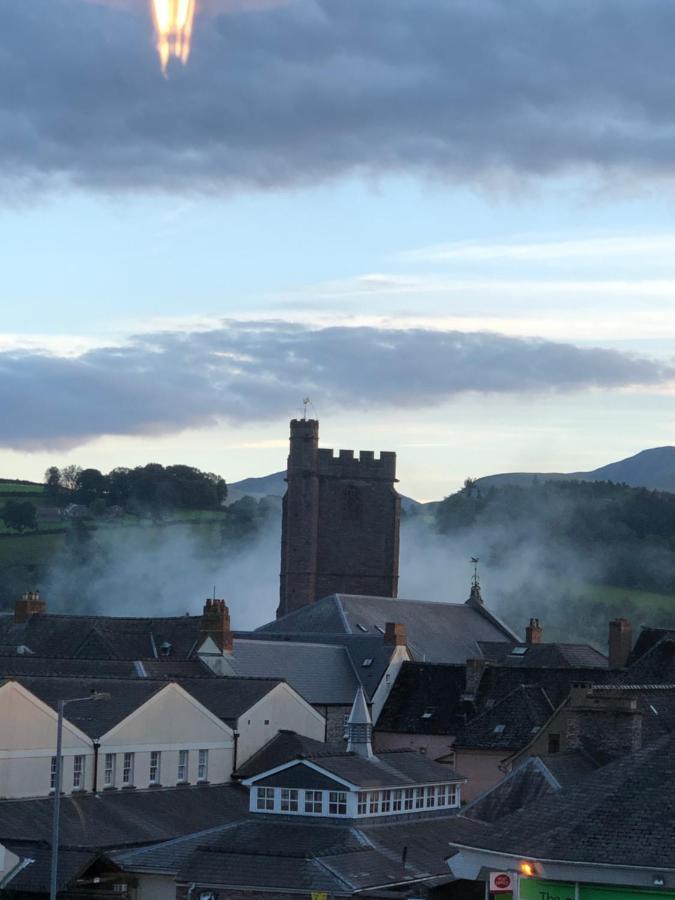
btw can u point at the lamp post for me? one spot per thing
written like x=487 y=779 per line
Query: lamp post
x=95 y=695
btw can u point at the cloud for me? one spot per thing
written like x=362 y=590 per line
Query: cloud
x=480 y=91
x=254 y=371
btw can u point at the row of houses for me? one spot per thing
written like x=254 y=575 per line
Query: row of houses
x=242 y=762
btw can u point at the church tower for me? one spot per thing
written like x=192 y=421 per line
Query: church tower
x=340 y=525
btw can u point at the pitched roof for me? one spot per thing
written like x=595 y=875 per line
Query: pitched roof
x=35 y=877
x=558 y=656
x=227 y=698
x=579 y=824
x=389 y=768
x=437 y=632
x=426 y=698
x=369 y=654
x=655 y=665
x=498 y=681
x=27 y=665
x=647 y=639
x=510 y=723
x=101 y=637
x=284 y=746
x=321 y=673
x=123 y=818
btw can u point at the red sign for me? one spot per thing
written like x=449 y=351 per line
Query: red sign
x=500 y=882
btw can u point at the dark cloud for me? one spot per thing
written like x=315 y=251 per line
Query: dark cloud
x=243 y=372
x=301 y=92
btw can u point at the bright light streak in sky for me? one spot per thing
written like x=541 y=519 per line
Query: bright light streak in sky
x=174 y=20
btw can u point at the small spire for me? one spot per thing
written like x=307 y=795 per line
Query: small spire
x=475 y=597
x=360 y=727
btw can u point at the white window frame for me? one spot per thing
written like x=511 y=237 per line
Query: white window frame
x=385 y=802
x=156 y=765
x=337 y=803
x=442 y=795
x=313 y=803
x=78 y=772
x=265 y=799
x=183 y=763
x=109 y=766
x=362 y=803
x=203 y=765
x=128 y=770
x=290 y=800
x=397 y=801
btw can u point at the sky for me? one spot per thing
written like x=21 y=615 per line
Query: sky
x=451 y=224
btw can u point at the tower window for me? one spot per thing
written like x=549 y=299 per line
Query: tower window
x=352 y=504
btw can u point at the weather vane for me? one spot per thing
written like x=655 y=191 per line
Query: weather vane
x=475 y=561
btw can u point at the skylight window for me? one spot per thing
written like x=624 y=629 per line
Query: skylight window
x=519 y=651
x=380 y=629
x=367 y=662
x=361 y=627
x=500 y=729
x=429 y=712
x=654 y=709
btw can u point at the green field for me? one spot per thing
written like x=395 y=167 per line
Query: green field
x=13 y=487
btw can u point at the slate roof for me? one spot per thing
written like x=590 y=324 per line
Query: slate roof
x=426 y=698
x=27 y=665
x=647 y=639
x=656 y=665
x=35 y=877
x=123 y=818
x=101 y=637
x=227 y=698
x=579 y=824
x=557 y=656
x=437 y=632
x=390 y=768
x=510 y=723
x=499 y=681
x=284 y=746
x=361 y=648
x=321 y=673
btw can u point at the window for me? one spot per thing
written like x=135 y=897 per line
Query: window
x=385 y=802
x=367 y=662
x=203 y=766
x=352 y=506
x=442 y=795
x=128 y=769
x=397 y=801
x=431 y=796
x=52 y=776
x=362 y=806
x=429 y=712
x=361 y=627
x=500 y=729
x=313 y=802
x=155 y=765
x=452 y=795
x=265 y=798
x=419 y=798
x=519 y=651
x=289 y=800
x=78 y=773
x=373 y=802
x=408 y=798
x=337 y=803
x=109 y=770
x=182 y=765
x=554 y=743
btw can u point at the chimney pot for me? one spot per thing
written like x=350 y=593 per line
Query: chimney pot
x=533 y=632
x=394 y=634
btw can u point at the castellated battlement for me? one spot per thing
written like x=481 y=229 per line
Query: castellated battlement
x=364 y=466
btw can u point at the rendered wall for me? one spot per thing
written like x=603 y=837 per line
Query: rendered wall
x=281 y=709
x=481 y=767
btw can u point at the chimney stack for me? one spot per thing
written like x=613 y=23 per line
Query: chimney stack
x=29 y=605
x=620 y=642
x=533 y=632
x=215 y=624
x=605 y=721
x=394 y=634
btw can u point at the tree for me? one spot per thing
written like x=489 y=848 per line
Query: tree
x=19 y=515
x=69 y=477
x=90 y=485
x=53 y=483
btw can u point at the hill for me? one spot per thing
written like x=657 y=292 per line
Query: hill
x=275 y=486
x=653 y=469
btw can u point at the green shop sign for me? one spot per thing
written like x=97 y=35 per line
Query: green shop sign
x=537 y=889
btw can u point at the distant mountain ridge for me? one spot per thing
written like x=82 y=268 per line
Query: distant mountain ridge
x=653 y=469
x=275 y=486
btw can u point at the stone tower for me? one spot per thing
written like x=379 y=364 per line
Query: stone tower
x=340 y=527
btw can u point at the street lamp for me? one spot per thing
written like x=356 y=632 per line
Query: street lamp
x=95 y=695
